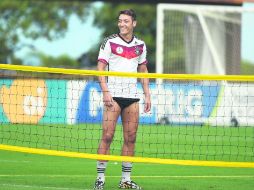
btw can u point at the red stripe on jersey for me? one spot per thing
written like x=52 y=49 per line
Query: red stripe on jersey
x=144 y=63
x=126 y=52
x=103 y=61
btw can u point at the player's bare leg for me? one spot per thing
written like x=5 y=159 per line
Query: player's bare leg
x=110 y=116
x=130 y=119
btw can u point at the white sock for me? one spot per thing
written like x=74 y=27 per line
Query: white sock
x=126 y=171
x=101 y=167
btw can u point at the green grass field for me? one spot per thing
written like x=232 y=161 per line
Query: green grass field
x=19 y=171
x=27 y=171
x=175 y=142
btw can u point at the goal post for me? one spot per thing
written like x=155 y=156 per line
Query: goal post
x=199 y=39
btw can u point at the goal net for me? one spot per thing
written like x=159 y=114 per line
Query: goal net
x=191 y=119
x=200 y=39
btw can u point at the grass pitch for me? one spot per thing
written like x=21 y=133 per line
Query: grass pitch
x=20 y=171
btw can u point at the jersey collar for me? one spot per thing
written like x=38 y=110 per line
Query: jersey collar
x=125 y=40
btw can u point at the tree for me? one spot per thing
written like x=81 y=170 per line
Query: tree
x=247 y=67
x=62 y=61
x=106 y=19
x=35 y=19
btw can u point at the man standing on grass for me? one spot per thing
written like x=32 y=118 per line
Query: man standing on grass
x=122 y=52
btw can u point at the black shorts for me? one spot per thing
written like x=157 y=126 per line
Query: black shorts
x=125 y=102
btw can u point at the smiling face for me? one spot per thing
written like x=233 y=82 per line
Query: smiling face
x=126 y=24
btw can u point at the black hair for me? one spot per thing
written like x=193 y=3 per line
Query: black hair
x=129 y=12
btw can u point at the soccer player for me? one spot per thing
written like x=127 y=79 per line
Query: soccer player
x=121 y=52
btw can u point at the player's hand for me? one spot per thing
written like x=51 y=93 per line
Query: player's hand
x=147 y=106
x=107 y=99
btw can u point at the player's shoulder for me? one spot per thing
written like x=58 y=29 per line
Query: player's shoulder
x=112 y=36
x=108 y=38
x=139 y=40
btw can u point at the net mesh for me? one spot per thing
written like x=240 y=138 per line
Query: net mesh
x=202 y=39
x=189 y=120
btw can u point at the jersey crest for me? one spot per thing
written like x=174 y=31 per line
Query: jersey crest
x=137 y=50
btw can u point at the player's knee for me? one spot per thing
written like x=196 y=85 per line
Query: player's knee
x=107 y=138
x=131 y=138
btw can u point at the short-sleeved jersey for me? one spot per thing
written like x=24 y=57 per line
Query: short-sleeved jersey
x=122 y=56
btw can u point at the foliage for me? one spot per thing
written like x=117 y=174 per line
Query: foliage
x=62 y=61
x=106 y=19
x=35 y=19
x=247 y=68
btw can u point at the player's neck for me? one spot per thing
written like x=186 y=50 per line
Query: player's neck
x=127 y=37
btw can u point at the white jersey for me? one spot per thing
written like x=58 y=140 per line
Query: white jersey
x=122 y=56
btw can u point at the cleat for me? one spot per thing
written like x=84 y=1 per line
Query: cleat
x=128 y=185
x=99 y=184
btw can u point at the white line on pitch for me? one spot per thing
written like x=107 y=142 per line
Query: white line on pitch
x=39 y=187
x=15 y=161
x=84 y=176
x=202 y=176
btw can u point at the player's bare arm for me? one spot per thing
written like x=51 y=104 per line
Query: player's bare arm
x=107 y=98
x=145 y=85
